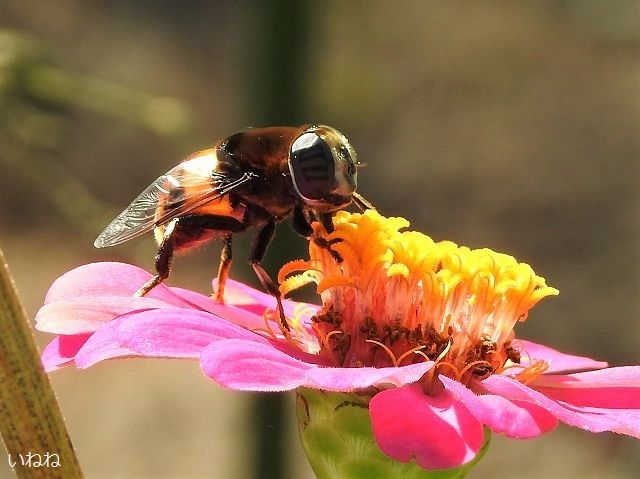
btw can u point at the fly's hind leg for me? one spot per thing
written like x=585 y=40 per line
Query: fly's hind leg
x=225 y=225
x=164 y=258
x=258 y=250
x=225 y=265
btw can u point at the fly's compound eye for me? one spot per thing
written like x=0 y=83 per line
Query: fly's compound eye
x=349 y=165
x=312 y=167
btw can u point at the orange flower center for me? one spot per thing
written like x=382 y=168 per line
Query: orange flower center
x=393 y=297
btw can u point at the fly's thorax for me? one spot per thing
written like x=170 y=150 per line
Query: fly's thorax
x=269 y=192
x=262 y=149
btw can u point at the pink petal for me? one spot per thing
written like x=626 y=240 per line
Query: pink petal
x=252 y=366
x=623 y=421
x=256 y=367
x=257 y=302
x=98 y=279
x=245 y=305
x=235 y=314
x=177 y=333
x=120 y=280
x=192 y=299
x=606 y=388
x=227 y=310
x=103 y=345
x=351 y=379
x=516 y=419
x=558 y=362
x=85 y=315
x=167 y=333
x=438 y=432
x=61 y=351
x=112 y=279
x=241 y=294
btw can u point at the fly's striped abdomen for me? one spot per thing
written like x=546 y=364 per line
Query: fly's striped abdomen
x=192 y=191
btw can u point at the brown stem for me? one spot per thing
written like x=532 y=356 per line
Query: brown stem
x=30 y=420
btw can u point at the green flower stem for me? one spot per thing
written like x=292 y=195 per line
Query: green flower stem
x=30 y=419
x=335 y=429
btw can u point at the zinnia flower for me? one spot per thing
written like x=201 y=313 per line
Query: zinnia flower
x=417 y=334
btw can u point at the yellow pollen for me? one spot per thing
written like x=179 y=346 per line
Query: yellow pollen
x=298 y=335
x=417 y=351
x=331 y=333
x=532 y=372
x=453 y=368
x=408 y=353
x=406 y=293
x=474 y=364
x=392 y=356
x=268 y=317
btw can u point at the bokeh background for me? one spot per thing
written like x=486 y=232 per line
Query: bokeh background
x=507 y=124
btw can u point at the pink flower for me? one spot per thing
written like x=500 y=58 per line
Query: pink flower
x=436 y=354
x=96 y=317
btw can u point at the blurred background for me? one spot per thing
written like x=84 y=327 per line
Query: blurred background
x=506 y=124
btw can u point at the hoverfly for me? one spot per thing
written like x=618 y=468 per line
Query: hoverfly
x=254 y=178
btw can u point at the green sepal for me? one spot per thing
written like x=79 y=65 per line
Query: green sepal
x=335 y=430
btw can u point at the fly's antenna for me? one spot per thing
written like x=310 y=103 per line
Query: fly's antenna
x=361 y=202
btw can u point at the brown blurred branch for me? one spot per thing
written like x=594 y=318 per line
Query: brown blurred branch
x=30 y=79
x=27 y=69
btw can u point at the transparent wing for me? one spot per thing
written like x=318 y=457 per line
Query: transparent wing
x=195 y=186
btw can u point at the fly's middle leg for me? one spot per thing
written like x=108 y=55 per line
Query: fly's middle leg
x=261 y=242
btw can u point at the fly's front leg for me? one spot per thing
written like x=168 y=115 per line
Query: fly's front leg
x=258 y=250
x=302 y=226
x=327 y=221
x=301 y=222
x=164 y=258
x=225 y=265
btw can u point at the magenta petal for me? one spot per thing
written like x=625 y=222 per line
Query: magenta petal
x=558 y=362
x=85 y=315
x=98 y=279
x=516 y=419
x=228 y=310
x=623 y=421
x=607 y=388
x=351 y=379
x=257 y=302
x=192 y=299
x=107 y=279
x=62 y=350
x=177 y=333
x=252 y=366
x=103 y=345
x=438 y=432
x=166 y=333
x=264 y=367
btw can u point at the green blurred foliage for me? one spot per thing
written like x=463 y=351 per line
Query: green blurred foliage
x=512 y=125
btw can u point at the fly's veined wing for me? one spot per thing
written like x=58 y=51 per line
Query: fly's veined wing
x=196 y=187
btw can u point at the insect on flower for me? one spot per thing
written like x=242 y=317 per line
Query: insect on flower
x=254 y=178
